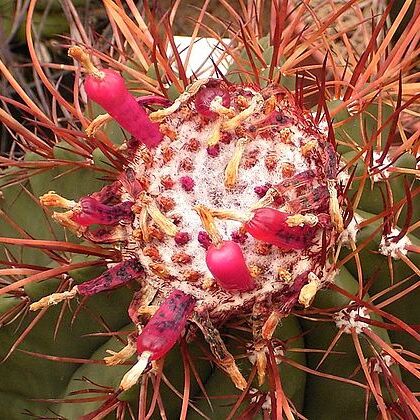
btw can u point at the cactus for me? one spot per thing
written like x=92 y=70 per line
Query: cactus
x=242 y=244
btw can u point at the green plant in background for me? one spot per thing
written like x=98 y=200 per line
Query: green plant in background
x=48 y=18
x=347 y=352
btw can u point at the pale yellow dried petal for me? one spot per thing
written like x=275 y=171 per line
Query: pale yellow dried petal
x=120 y=357
x=334 y=207
x=308 y=292
x=215 y=134
x=302 y=219
x=190 y=91
x=217 y=107
x=208 y=223
x=133 y=375
x=230 y=215
x=53 y=299
x=232 y=370
x=232 y=168
x=266 y=200
x=80 y=55
x=65 y=219
x=161 y=220
x=97 y=123
x=257 y=102
x=51 y=199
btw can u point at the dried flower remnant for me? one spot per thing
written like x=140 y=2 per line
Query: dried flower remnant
x=207 y=101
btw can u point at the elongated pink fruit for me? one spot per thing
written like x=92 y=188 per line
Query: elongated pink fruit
x=227 y=264
x=166 y=325
x=111 y=94
x=94 y=212
x=269 y=225
x=117 y=276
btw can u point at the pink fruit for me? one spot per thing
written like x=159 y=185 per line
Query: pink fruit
x=93 y=212
x=269 y=225
x=166 y=325
x=227 y=264
x=111 y=94
x=117 y=276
